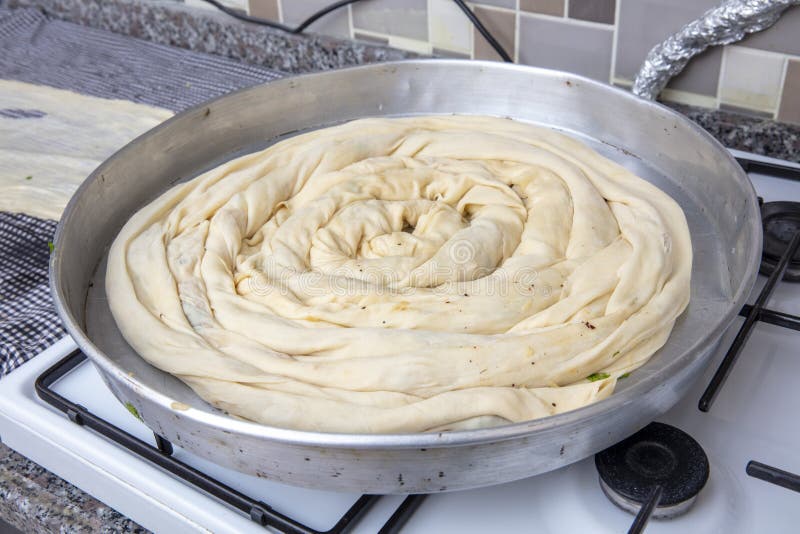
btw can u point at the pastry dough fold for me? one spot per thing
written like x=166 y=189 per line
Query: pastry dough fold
x=404 y=275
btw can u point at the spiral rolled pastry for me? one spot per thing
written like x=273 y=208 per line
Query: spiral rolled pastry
x=404 y=275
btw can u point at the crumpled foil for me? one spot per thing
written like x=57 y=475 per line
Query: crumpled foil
x=724 y=24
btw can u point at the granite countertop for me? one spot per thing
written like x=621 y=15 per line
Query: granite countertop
x=213 y=32
x=747 y=133
x=34 y=500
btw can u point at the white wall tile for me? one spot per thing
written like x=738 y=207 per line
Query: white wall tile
x=751 y=78
x=403 y=18
x=235 y=4
x=198 y=3
x=336 y=23
x=412 y=45
x=560 y=44
x=450 y=28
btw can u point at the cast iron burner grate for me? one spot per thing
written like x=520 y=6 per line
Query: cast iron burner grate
x=781 y=241
x=657 y=472
x=635 y=488
x=160 y=453
x=781 y=221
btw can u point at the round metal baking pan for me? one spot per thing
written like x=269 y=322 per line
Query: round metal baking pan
x=649 y=139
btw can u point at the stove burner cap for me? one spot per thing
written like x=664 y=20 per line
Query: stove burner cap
x=781 y=220
x=658 y=454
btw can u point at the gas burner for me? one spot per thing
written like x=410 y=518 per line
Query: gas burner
x=781 y=220
x=659 y=455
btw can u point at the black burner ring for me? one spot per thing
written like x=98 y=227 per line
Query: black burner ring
x=657 y=455
x=780 y=220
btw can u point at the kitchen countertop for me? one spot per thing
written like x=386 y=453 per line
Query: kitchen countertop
x=747 y=133
x=213 y=32
x=34 y=499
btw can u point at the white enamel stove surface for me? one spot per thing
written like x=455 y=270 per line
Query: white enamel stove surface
x=754 y=418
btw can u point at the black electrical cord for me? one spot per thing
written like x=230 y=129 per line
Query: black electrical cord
x=483 y=31
x=336 y=5
x=277 y=25
x=321 y=13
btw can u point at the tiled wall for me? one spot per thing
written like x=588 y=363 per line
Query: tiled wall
x=603 y=39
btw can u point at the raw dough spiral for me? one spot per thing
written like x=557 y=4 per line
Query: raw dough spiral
x=404 y=275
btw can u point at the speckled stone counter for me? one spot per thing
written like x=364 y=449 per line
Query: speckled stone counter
x=34 y=500
x=212 y=32
x=748 y=133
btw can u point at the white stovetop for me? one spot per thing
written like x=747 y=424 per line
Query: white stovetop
x=753 y=418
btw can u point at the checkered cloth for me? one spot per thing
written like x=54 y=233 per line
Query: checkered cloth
x=28 y=322
x=35 y=49
x=95 y=62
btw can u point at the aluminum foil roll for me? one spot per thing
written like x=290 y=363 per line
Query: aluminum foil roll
x=727 y=23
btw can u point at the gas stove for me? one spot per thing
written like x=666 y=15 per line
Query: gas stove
x=722 y=460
